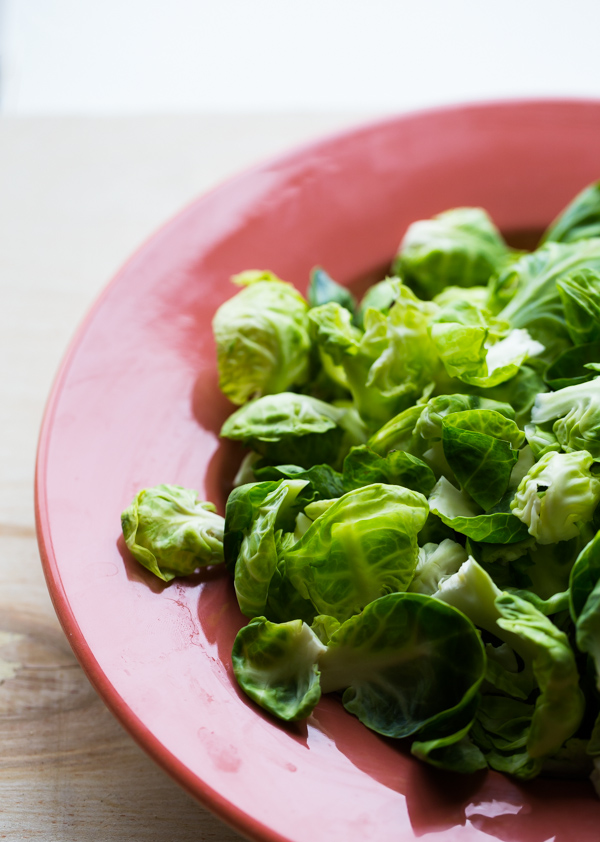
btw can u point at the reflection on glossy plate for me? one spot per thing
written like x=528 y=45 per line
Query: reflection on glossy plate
x=136 y=404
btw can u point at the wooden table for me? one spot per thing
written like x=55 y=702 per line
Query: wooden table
x=77 y=196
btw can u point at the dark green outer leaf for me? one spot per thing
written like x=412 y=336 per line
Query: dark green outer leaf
x=242 y=505
x=323 y=289
x=324 y=480
x=585 y=574
x=259 y=552
x=477 y=447
x=481 y=464
x=362 y=466
x=568 y=369
x=501 y=730
x=588 y=629
x=239 y=513
x=276 y=666
x=284 y=603
x=304 y=451
x=505 y=721
x=580 y=220
x=379 y=297
x=412 y=665
x=455 y=753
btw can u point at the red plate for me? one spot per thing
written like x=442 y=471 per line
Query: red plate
x=136 y=404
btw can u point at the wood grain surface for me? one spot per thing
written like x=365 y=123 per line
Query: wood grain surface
x=77 y=196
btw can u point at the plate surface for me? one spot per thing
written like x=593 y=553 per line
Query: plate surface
x=136 y=404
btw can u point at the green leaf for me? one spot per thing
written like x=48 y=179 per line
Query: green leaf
x=262 y=338
x=463 y=515
x=404 y=357
x=324 y=627
x=559 y=601
x=580 y=220
x=585 y=574
x=580 y=295
x=570 y=368
x=477 y=296
x=324 y=480
x=256 y=514
x=334 y=333
x=472 y=591
x=290 y=428
x=541 y=645
x=588 y=629
x=397 y=433
x=411 y=665
x=341 y=344
x=284 y=603
x=244 y=504
x=459 y=247
x=455 y=753
x=275 y=417
x=549 y=569
x=379 y=297
x=536 y=303
x=560 y=705
x=363 y=546
x=387 y=366
x=276 y=666
x=419 y=428
x=503 y=673
x=462 y=349
x=520 y=392
x=323 y=289
x=171 y=532
x=505 y=721
x=479 y=446
x=501 y=730
x=541 y=440
x=362 y=466
x=477 y=348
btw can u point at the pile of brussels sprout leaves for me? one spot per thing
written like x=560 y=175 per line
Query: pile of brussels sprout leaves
x=415 y=525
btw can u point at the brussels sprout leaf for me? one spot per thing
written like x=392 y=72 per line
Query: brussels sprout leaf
x=411 y=665
x=363 y=546
x=323 y=289
x=276 y=665
x=171 y=532
x=262 y=338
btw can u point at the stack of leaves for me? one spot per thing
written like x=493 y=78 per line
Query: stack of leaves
x=415 y=526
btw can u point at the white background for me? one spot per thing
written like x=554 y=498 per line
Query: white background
x=154 y=56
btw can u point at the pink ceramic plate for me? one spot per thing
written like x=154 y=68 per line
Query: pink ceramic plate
x=136 y=404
